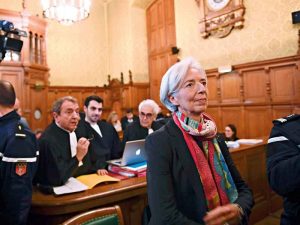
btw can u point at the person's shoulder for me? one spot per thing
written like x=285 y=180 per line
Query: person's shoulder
x=164 y=130
x=286 y=120
x=105 y=125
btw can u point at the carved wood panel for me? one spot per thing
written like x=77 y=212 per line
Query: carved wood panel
x=230 y=88
x=233 y=115
x=213 y=90
x=215 y=113
x=256 y=87
x=258 y=122
x=161 y=38
x=282 y=83
x=281 y=111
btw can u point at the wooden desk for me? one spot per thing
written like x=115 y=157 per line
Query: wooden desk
x=129 y=194
x=251 y=163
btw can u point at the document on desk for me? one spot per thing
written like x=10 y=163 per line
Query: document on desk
x=91 y=180
x=71 y=186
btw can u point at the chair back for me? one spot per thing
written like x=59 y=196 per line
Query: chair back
x=104 y=216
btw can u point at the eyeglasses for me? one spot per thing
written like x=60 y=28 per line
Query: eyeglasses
x=147 y=115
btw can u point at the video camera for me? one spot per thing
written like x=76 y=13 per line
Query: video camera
x=10 y=38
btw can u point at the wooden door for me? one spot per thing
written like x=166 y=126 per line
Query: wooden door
x=161 y=38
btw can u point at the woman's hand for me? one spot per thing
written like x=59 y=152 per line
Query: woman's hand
x=102 y=172
x=228 y=214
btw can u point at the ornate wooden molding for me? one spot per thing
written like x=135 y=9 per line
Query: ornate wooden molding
x=219 y=17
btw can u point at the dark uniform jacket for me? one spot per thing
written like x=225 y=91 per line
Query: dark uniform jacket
x=175 y=191
x=135 y=131
x=103 y=148
x=283 y=165
x=18 y=163
x=56 y=165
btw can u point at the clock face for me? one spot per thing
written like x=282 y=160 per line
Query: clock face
x=216 y=5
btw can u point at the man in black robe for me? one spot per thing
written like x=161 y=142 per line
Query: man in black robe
x=148 y=110
x=63 y=154
x=104 y=140
x=128 y=118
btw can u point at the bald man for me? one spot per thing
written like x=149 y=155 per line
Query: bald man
x=18 y=161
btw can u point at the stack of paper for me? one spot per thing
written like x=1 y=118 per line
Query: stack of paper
x=232 y=144
x=82 y=183
x=71 y=186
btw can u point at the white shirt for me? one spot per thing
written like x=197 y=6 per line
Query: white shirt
x=150 y=130
x=73 y=143
x=96 y=128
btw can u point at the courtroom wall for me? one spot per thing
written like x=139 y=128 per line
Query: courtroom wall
x=268 y=33
x=86 y=52
x=127 y=40
x=113 y=39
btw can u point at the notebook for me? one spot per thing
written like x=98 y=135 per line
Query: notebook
x=134 y=152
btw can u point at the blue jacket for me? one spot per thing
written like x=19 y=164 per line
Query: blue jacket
x=283 y=165
x=18 y=163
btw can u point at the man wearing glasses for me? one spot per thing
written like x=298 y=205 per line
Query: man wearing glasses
x=104 y=140
x=148 y=110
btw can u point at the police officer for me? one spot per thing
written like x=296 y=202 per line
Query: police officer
x=283 y=166
x=18 y=161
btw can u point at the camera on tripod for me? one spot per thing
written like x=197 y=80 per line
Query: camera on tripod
x=10 y=38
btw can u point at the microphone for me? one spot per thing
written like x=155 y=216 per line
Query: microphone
x=6 y=25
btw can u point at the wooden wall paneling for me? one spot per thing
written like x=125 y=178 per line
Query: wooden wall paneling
x=256 y=161
x=279 y=111
x=258 y=121
x=214 y=112
x=161 y=37
x=282 y=83
x=127 y=97
x=15 y=76
x=233 y=115
x=256 y=86
x=230 y=85
x=213 y=89
x=36 y=90
x=169 y=23
x=38 y=103
x=159 y=65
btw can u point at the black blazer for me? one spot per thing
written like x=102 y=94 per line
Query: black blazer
x=103 y=148
x=175 y=192
x=135 y=131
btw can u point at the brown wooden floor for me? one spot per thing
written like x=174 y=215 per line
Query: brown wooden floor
x=273 y=219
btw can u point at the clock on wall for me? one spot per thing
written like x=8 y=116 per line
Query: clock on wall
x=219 y=17
x=216 y=4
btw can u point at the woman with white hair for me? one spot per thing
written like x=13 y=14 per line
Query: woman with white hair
x=191 y=178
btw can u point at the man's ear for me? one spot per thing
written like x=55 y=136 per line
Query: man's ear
x=84 y=109
x=173 y=100
x=55 y=115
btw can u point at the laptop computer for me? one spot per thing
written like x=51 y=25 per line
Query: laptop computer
x=134 y=152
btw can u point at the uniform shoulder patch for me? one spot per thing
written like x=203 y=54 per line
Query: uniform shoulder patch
x=286 y=119
x=19 y=131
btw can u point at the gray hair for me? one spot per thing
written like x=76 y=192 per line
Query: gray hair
x=173 y=79
x=56 y=107
x=151 y=103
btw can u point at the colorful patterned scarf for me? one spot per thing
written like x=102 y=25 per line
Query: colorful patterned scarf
x=218 y=185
